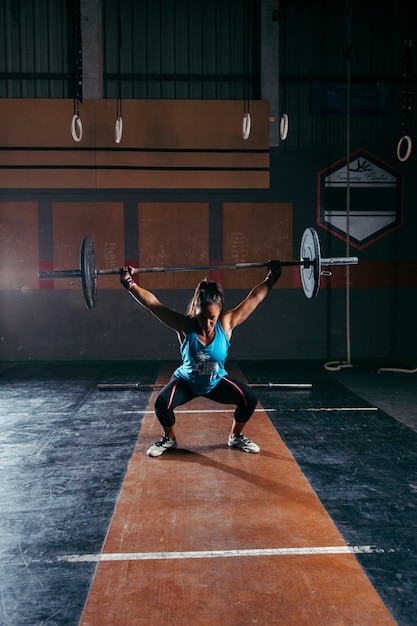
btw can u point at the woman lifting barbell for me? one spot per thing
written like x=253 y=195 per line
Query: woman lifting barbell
x=204 y=334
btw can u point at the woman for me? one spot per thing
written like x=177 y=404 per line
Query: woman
x=204 y=334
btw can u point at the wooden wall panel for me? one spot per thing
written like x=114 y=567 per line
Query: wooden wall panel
x=169 y=144
x=173 y=234
x=253 y=233
x=103 y=222
x=147 y=124
x=19 y=247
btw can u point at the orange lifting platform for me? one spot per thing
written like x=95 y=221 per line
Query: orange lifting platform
x=208 y=536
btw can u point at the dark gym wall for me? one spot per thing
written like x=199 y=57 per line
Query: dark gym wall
x=42 y=229
x=183 y=186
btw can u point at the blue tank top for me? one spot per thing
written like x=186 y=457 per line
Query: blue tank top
x=203 y=366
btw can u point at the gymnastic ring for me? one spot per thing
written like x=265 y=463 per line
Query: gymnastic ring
x=76 y=128
x=283 y=127
x=246 y=126
x=406 y=138
x=118 y=130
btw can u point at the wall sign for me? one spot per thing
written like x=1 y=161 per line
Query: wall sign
x=376 y=198
x=365 y=98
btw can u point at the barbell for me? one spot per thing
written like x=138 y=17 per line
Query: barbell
x=152 y=387
x=310 y=264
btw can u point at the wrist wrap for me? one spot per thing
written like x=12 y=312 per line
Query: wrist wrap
x=272 y=276
x=127 y=281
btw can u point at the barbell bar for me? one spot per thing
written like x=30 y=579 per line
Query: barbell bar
x=310 y=264
x=152 y=387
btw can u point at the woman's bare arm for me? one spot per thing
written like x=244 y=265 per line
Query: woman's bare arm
x=241 y=312
x=170 y=318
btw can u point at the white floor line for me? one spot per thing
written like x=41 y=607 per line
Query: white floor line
x=292 y=410
x=210 y=554
x=333 y=408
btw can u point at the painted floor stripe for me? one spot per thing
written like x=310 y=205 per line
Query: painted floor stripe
x=330 y=409
x=212 y=554
x=294 y=410
x=150 y=412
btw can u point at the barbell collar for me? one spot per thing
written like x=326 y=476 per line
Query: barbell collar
x=342 y=260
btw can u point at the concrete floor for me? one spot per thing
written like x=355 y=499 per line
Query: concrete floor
x=391 y=391
x=338 y=465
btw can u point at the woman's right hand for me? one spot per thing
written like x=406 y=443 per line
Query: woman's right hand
x=126 y=277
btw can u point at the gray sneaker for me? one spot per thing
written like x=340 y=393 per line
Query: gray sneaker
x=243 y=443
x=159 y=447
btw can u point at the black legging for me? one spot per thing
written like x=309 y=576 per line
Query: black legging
x=227 y=391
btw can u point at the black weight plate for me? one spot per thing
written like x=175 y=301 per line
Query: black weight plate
x=88 y=270
x=310 y=250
